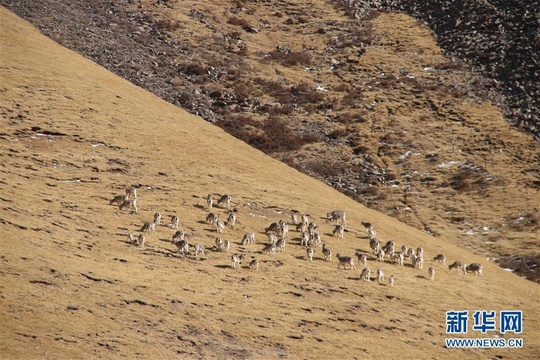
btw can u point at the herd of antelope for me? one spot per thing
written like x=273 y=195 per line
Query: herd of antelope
x=277 y=234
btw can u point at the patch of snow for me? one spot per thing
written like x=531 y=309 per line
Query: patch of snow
x=449 y=164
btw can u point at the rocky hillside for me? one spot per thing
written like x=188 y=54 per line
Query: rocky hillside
x=370 y=106
x=74 y=286
x=500 y=39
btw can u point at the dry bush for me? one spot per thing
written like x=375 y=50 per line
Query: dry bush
x=338 y=134
x=243 y=23
x=290 y=58
x=305 y=94
x=363 y=34
x=194 y=69
x=352 y=98
x=234 y=20
x=325 y=168
x=277 y=110
x=370 y=191
x=167 y=25
x=449 y=65
x=271 y=87
x=523 y=222
x=271 y=136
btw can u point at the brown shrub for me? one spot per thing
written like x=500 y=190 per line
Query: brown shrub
x=275 y=135
x=233 y=20
x=290 y=58
x=325 y=168
x=304 y=93
x=352 y=98
x=167 y=25
x=193 y=69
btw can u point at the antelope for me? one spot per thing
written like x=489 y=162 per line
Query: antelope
x=231 y=219
x=418 y=262
x=174 y=222
x=131 y=193
x=254 y=264
x=327 y=253
x=249 y=238
x=199 y=248
x=225 y=199
x=302 y=227
x=404 y=249
x=305 y=238
x=339 y=231
x=380 y=275
x=369 y=229
x=211 y=218
x=374 y=244
x=389 y=247
x=440 y=258
x=236 y=260
x=475 y=268
x=431 y=272
x=365 y=275
x=305 y=219
x=269 y=249
x=272 y=238
x=280 y=245
x=218 y=244
x=118 y=199
x=284 y=229
x=381 y=255
x=220 y=226
x=367 y=225
x=183 y=246
x=209 y=201
x=344 y=261
x=312 y=228
x=401 y=259
x=458 y=265
x=273 y=228
x=398 y=258
x=148 y=227
x=316 y=239
x=310 y=253
x=129 y=204
x=337 y=216
x=294 y=217
x=420 y=252
x=362 y=259
x=141 y=241
x=391 y=280
x=131 y=239
x=226 y=246
x=157 y=218
x=179 y=235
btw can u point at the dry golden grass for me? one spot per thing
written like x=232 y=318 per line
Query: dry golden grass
x=71 y=287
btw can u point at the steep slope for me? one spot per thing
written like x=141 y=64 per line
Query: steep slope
x=372 y=107
x=73 y=135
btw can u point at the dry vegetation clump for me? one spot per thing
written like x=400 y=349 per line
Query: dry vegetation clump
x=272 y=135
x=523 y=222
x=287 y=57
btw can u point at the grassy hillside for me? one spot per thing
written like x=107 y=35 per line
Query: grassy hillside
x=73 y=135
x=371 y=107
